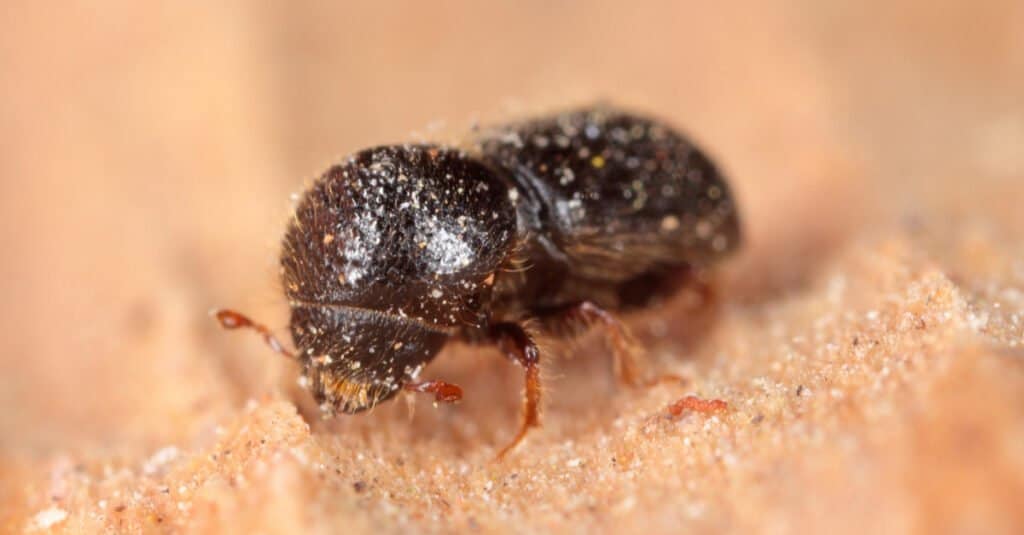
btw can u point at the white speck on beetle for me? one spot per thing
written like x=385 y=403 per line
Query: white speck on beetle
x=359 y=248
x=448 y=249
x=567 y=176
x=571 y=211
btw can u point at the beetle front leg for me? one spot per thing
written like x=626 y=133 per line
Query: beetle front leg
x=519 y=346
x=230 y=319
x=443 y=392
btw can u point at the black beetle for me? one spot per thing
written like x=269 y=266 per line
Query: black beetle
x=563 y=219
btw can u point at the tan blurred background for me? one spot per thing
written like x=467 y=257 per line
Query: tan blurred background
x=148 y=152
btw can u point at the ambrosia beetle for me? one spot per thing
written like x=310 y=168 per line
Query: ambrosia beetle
x=561 y=221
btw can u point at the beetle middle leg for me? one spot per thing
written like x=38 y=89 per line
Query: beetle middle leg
x=628 y=359
x=517 y=345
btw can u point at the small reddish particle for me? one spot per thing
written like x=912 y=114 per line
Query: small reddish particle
x=694 y=403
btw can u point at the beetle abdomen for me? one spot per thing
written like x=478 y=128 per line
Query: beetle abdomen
x=617 y=198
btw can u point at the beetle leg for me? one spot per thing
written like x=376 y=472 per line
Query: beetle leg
x=443 y=392
x=628 y=359
x=229 y=319
x=520 y=347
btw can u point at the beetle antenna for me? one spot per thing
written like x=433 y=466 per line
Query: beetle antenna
x=229 y=319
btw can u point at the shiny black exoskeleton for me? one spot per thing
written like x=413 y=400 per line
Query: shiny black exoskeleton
x=561 y=219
